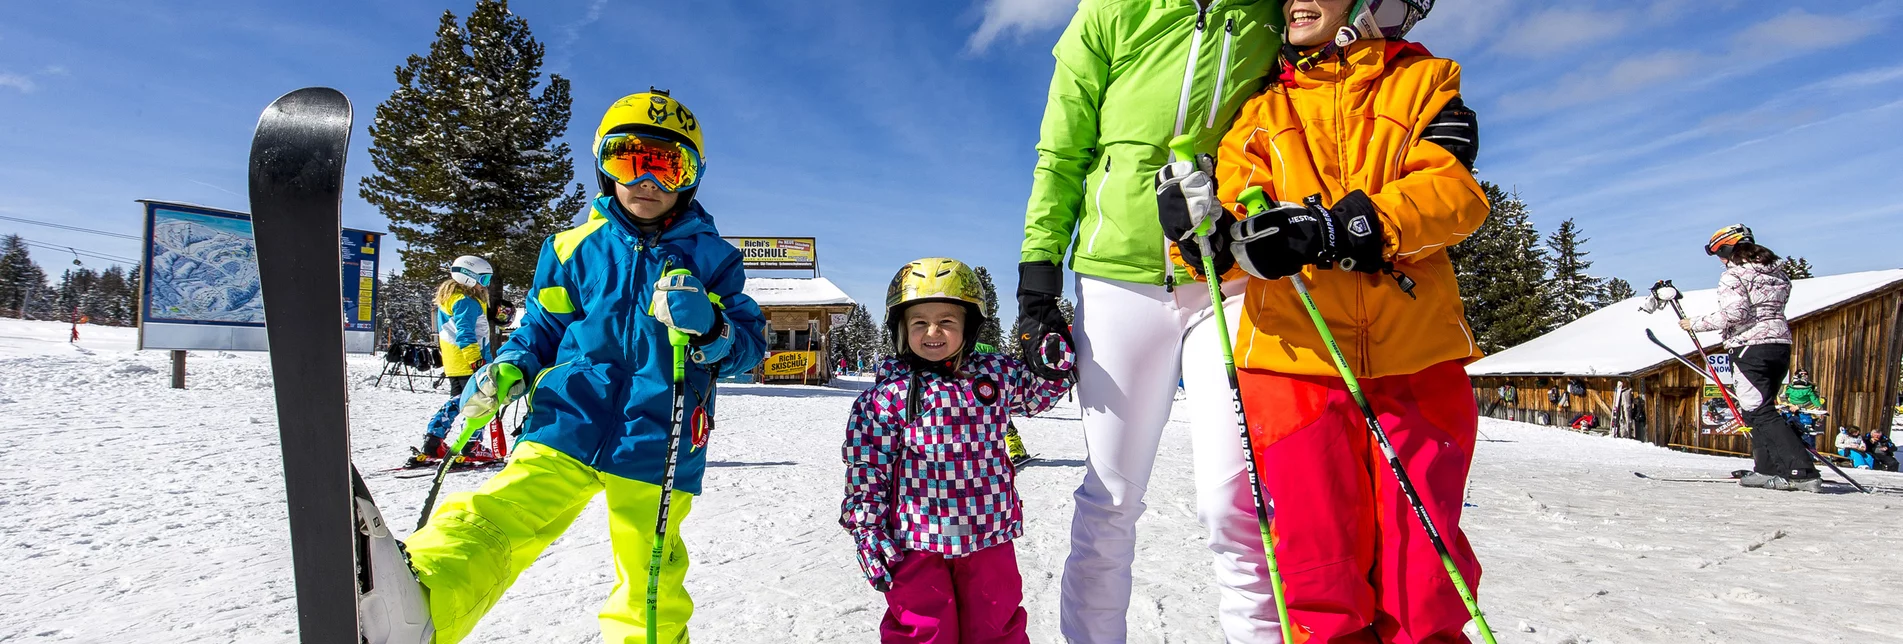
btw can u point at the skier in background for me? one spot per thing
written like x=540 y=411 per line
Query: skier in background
x=1881 y=449
x=592 y=353
x=1129 y=77
x=930 y=497
x=462 y=331
x=1365 y=149
x=1751 y=296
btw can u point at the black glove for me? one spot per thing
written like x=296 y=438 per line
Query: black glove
x=1186 y=196
x=1278 y=243
x=1039 y=285
x=1456 y=129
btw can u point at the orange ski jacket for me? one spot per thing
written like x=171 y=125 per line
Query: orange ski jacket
x=1355 y=122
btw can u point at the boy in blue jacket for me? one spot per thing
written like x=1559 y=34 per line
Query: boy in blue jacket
x=592 y=354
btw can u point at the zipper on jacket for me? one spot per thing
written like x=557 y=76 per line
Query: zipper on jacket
x=1182 y=117
x=1098 y=198
x=1222 y=71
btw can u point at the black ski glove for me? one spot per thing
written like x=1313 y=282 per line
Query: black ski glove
x=1278 y=243
x=1185 y=197
x=1456 y=129
x=1039 y=285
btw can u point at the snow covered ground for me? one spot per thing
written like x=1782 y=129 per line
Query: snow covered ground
x=131 y=512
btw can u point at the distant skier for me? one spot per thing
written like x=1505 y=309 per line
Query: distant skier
x=1802 y=405
x=1365 y=149
x=462 y=331
x=592 y=353
x=1751 y=296
x=931 y=499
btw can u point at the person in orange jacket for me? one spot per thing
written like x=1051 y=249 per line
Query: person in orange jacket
x=1367 y=151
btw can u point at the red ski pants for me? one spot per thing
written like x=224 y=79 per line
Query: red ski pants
x=1356 y=564
x=973 y=599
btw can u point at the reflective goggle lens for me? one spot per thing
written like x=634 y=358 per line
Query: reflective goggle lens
x=629 y=158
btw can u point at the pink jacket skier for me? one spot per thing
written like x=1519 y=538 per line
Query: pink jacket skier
x=930 y=497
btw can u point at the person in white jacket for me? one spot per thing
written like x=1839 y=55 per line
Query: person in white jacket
x=1850 y=445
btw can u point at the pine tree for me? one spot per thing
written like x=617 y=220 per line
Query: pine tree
x=75 y=292
x=857 y=341
x=406 y=305
x=1501 y=270
x=1571 y=290
x=1613 y=291
x=992 y=332
x=19 y=276
x=469 y=160
x=107 y=303
x=1796 y=268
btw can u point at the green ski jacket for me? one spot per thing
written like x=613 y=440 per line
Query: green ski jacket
x=1131 y=75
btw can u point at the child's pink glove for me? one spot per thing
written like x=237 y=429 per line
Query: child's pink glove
x=1054 y=355
x=877 y=555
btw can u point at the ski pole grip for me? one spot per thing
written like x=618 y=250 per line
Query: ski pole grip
x=1254 y=199
x=1184 y=147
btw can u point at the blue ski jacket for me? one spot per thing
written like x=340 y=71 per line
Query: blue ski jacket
x=602 y=389
x=462 y=332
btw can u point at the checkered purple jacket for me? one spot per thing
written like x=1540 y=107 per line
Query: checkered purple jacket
x=943 y=482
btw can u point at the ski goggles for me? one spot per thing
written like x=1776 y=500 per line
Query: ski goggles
x=481 y=278
x=632 y=157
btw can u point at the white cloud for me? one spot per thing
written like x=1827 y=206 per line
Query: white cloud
x=1802 y=30
x=17 y=81
x=1456 y=27
x=1020 y=17
x=1793 y=33
x=1559 y=30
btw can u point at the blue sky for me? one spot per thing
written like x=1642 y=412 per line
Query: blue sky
x=896 y=130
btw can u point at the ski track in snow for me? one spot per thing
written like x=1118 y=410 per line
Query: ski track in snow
x=131 y=512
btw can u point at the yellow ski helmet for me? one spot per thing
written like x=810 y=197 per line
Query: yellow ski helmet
x=652 y=111
x=934 y=279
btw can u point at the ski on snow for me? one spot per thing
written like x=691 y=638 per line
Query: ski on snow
x=296 y=185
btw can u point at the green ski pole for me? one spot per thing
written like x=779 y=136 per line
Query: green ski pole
x=1256 y=203
x=677 y=339
x=1182 y=147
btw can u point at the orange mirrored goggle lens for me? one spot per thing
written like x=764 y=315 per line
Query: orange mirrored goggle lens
x=629 y=158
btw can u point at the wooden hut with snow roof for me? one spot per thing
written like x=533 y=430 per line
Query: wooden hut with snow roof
x=1847 y=331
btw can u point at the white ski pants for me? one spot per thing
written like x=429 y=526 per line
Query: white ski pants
x=1134 y=341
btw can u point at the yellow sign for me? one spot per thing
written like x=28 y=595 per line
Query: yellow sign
x=790 y=363
x=782 y=253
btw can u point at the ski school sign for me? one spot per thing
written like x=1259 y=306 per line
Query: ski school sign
x=790 y=363
x=777 y=253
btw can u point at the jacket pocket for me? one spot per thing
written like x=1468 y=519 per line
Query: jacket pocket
x=1096 y=206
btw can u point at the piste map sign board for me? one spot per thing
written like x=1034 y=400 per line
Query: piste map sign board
x=777 y=253
x=199 y=289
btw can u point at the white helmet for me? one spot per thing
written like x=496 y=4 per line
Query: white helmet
x=471 y=271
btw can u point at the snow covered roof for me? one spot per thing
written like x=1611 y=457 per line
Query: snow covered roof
x=1611 y=341
x=795 y=291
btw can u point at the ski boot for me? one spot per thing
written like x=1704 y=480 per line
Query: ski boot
x=394 y=608
x=1812 y=483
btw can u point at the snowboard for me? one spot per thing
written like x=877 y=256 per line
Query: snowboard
x=296 y=185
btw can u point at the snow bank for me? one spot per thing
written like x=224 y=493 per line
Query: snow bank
x=131 y=512
x=1611 y=340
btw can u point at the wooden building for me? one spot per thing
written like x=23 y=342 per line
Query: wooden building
x=800 y=314
x=1847 y=331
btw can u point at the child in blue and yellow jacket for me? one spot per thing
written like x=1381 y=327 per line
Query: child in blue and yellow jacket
x=593 y=356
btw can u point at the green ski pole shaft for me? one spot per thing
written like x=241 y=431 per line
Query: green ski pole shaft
x=1257 y=202
x=678 y=340
x=1181 y=146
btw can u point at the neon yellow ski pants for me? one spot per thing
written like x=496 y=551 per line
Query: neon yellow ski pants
x=477 y=543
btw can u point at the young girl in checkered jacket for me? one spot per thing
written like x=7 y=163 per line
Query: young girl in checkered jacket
x=930 y=498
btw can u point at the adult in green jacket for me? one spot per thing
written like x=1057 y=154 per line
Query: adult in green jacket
x=1131 y=75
